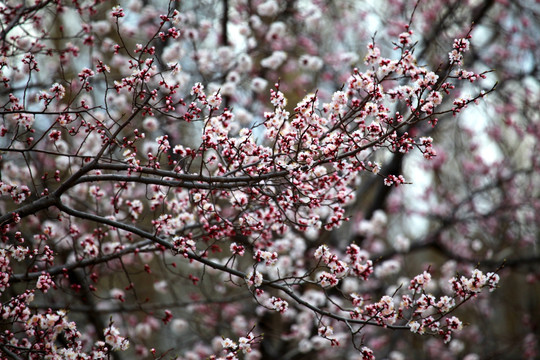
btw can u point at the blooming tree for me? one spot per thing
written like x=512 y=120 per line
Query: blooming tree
x=240 y=179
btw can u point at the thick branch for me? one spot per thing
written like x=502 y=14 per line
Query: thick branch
x=29 y=209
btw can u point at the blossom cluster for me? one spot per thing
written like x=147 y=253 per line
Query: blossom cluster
x=357 y=263
x=466 y=286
